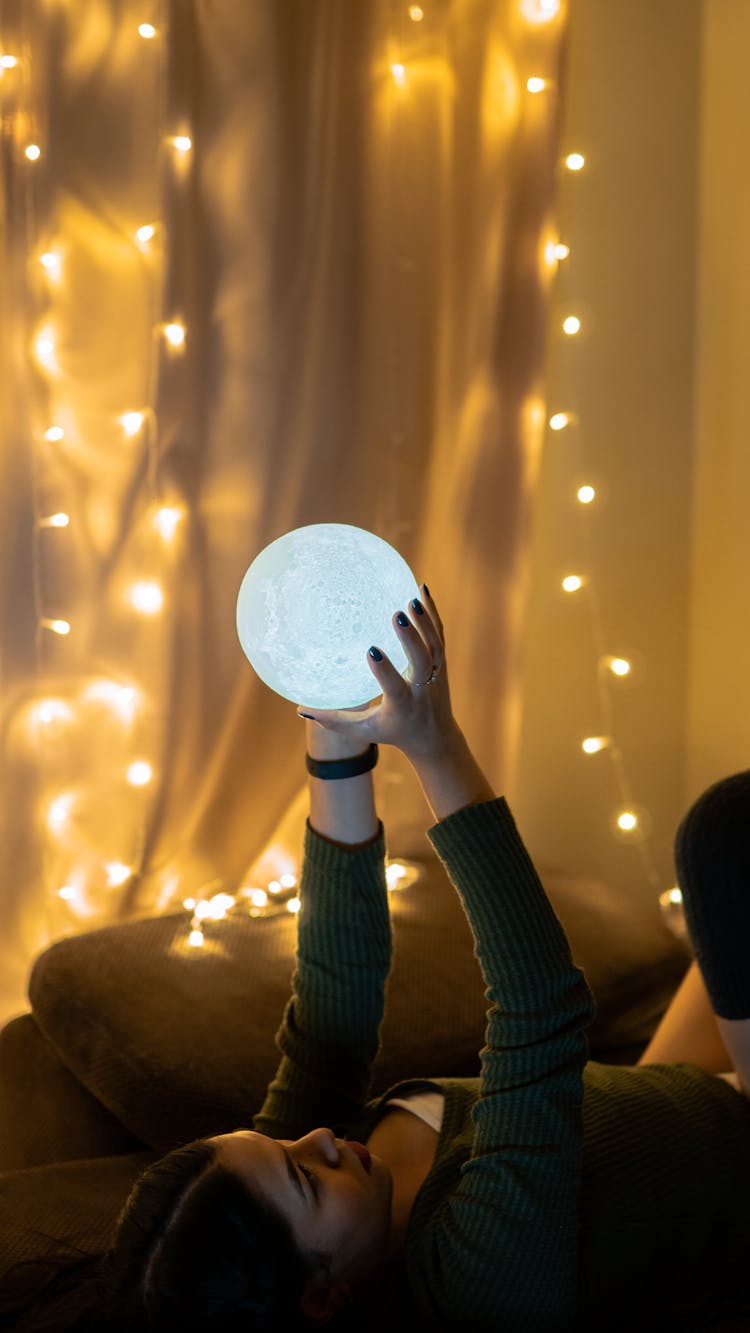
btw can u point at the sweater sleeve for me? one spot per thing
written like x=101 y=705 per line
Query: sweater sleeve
x=501 y=1250
x=330 y=1028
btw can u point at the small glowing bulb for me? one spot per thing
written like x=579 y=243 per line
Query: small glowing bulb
x=121 y=698
x=53 y=710
x=571 y=325
x=166 y=520
x=51 y=263
x=174 y=334
x=593 y=744
x=131 y=422
x=146 y=30
x=8 y=62
x=139 y=773
x=399 y=74
x=288 y=881
x=147 y=597
x=674 y=895
x=67 y=891
x=54 y=433
x=145 y=234
x=117 y=873
x=203 y=910
x=195 y=939
x=189 y=904
x=536 y=85
x=57 y=626
x=33 y=152
x=559 y=421
x=258 y=897
x=59 y=813
x=619 y=666
x=44 y=349
x=586 y=494
x=572 y=582
x=274 y=886
x=574 y=161
x=561 y=251
x=182 y=143
x=293 y=905
x=55 y=521
x=627 y=821
x=416 y=14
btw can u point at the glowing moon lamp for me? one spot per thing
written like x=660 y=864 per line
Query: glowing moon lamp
x=310 y=606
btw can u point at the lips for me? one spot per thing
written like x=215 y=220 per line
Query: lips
x=362 y=1154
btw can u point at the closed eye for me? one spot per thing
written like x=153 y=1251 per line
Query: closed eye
x=311 y=1178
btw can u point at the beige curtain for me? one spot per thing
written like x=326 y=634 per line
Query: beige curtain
x=357 y=245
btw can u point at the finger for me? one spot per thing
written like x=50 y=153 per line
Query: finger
x=425 y=624
x=339 y=720
x=389 y=679
x=429 y=604
x=418 y=651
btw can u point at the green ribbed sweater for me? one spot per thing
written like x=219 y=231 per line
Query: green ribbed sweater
x=564 y=1194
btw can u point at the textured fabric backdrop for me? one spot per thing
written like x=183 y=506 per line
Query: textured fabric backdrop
x=360 y=264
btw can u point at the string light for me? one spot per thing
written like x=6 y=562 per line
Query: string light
x=117 y=873
x=54 y=521
x=166 y=520
x=56 y=626
x=174 y=334
x=560 y=421
x=594 y=744
x=131 y=422
x=147 y=597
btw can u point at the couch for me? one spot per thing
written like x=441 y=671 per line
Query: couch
x=135 y=1042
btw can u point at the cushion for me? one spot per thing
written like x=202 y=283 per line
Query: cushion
x=74 y=1202
x=46 y=1115
x=178 y=1042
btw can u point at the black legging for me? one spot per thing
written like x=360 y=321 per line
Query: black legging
x=712 y=858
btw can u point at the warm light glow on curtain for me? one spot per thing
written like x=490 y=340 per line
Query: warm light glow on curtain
x=264 y=265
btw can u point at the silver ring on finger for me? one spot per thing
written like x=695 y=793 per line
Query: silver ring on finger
x=435 y=670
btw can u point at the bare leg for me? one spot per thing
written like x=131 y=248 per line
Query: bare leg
x=690 y=1030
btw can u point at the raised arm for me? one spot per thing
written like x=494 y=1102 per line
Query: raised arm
x=329 y=1031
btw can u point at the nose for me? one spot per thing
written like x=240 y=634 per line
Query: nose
x=323 y=1141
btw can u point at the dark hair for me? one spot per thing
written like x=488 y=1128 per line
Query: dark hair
x=193 y=1250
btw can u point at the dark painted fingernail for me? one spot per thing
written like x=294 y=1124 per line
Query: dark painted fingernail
x=376 y=654
x=424 y=585
x=309 y=716
x=402 y=620
x=417 y=606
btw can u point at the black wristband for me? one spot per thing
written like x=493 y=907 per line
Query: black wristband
x=343 y=768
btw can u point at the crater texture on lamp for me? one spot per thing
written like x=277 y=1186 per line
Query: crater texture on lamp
x=310 y=606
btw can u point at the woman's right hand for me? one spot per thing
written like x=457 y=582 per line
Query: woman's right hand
x=414 y=716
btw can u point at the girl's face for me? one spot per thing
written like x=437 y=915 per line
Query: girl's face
x=335 y=1201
